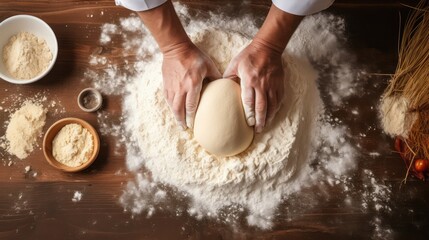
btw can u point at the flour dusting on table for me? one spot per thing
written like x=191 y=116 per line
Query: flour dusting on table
x=304 y=147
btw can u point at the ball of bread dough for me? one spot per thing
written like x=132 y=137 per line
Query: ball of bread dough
x=220 y=125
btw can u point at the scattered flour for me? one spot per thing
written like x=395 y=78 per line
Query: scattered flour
x=24 y=128
x=26 y=56
x=20 y=203
x=302 y=148
x=107 y=30
x=255 y=179
x=77 y=196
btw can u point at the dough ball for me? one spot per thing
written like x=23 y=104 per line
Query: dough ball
x=220 y=125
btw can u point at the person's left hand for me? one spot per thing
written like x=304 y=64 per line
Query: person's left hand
x=260 y=69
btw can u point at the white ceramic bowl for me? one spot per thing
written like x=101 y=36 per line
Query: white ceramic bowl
x=31 y=24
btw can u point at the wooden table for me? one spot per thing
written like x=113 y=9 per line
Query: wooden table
x=41 y=207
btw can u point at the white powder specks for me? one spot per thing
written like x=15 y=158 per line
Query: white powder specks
x=77 y=196
x=336 y=155
x=106 y=31
x=374 y=154
x=303 y=148
x=380 y=231
x=110 y=81
x=376 y=194
x=142 y=195
x=132 y=24
x=334 y=61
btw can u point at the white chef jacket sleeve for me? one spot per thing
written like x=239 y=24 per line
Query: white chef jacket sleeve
x=139 y=5
x=302 y=7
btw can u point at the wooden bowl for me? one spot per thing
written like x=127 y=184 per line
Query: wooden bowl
x=53 y=131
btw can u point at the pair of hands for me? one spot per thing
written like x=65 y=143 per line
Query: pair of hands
x=259 y=68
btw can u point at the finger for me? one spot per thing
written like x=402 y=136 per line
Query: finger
x=178 y=108
x=192 y=99
x=260 y=109
x=248 y=99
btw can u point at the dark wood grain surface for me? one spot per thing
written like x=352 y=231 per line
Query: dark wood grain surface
x=40 y=207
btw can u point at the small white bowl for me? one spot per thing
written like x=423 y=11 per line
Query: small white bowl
x=31 y=24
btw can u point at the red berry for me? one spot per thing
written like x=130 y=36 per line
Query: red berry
x=421 y=165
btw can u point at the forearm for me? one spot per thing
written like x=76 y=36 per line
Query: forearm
x=277 y=29
x=165 y=27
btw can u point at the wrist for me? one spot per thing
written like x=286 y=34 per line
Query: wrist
x=277 y=29
x=165 y=27
x=175 y=48
x=181 y=50
x=262 y=45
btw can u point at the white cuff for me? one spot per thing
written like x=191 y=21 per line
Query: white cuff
x=139 y=5
x=302 y=7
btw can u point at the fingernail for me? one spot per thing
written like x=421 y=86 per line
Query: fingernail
x=251 y=121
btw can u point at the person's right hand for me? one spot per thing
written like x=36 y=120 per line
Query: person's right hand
x=184 y=68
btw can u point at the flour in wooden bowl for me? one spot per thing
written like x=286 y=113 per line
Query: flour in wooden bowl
x=73 y=145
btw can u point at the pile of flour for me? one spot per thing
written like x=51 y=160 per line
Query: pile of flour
x=24 y=128
x=303 y=147
x=255 y=179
